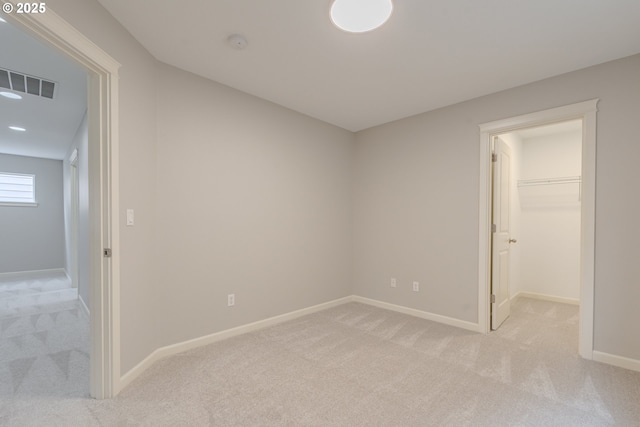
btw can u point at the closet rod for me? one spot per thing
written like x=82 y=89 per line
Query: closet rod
x=549 y=181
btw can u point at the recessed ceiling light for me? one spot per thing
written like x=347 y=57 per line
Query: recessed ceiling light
x=10 y=95
x=360 y=16
x=18 y=128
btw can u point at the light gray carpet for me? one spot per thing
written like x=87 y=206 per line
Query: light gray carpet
x=356 y=365
x=44 y=338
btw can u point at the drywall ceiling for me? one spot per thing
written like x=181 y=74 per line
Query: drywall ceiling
x=431 y=53
x=50 y=124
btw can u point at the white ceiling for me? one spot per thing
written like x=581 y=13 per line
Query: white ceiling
x=431 y=53
x=51 y=123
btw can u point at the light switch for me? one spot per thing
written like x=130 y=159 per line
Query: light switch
x=130 y=219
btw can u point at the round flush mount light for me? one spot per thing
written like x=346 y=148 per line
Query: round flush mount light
x=17 y=128
x=10 y=95
x=360 y=16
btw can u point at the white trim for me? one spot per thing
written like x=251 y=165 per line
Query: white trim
x=27 y=272
x=19 y=204
x=587 y=112
x=103 y=190
x=73 y=158
x=538 y=118
x=619 y=361
x=170 y=350
x=83 y=305
x=545 y=297
x=173 y=349
x=418 y=313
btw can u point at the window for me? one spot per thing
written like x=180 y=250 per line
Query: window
x=17 y=189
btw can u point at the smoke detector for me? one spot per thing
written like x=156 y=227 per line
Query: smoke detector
x=237 y=41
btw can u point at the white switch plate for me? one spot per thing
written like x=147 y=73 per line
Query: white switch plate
x=231 y=300
x=130 y=217
x=416 y=286
x=394 y=283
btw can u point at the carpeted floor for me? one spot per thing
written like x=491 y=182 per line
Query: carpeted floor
x=357 y=365
x=44 y=338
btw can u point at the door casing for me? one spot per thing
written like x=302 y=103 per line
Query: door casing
x=586 y=111
x=104 y=273
x=73 y=244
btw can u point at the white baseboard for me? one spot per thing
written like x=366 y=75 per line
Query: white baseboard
x=544 y=297
x=85 y=308
x=619 y=361
x=419 y=313
x=170 y=350
x=23 y=273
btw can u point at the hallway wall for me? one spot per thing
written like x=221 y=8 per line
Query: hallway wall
x=81 y=143
x=32 y=237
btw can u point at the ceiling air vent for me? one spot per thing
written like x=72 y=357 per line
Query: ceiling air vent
x=26 y=84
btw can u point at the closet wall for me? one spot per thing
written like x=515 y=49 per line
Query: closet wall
x=546 y=215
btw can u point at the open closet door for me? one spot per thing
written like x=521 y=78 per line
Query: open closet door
x=500 y=252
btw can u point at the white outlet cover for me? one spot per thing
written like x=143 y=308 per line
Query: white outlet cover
x=394 y=283
x=416 y=286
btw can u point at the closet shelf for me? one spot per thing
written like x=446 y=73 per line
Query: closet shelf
x=550 y=181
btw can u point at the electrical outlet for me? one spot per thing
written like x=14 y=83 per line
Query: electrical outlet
x=394 y=283
x=416 y=286
x=231 y=300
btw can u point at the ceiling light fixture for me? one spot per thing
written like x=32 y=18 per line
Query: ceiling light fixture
x=10 y=95
x=360 y=16
x=18 y=128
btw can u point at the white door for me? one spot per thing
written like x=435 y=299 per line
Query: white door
x=500 y=253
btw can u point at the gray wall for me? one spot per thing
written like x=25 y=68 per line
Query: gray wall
x=137 y=163
x=416 y=200
x=255 y=200
x=32 y=238
x=81 y=143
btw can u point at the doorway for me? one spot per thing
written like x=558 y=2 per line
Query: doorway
x=103 y=182
x=536 y=209
x=586 y=112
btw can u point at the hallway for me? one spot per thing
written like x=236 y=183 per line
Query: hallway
x=44 y=337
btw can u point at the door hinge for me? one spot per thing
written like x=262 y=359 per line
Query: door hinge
x=107 y=252
x=493 y=228
x=494 y=157
x=493 y=299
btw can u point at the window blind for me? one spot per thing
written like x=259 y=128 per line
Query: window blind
x=17 y=188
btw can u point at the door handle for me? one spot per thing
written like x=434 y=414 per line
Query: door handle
x=512 y=240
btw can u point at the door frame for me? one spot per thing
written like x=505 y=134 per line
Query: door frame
x=74 y=193
x=586 y=111
x=104 y=272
